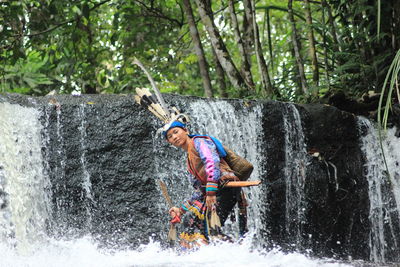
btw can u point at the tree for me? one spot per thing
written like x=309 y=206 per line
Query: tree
x=245 y=62
x=218 y=45
x=262 y=65
x=198 y=49
x=220 y=75
x=296 y=48
x=88 y=46
x=311 y=40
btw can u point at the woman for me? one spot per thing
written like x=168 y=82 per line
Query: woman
x=207 y=173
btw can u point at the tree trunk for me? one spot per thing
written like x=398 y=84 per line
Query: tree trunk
x=296 y=48
x=198 y=49
x=269 y=38
x=220 y=75
x=296 y=74
x=262 y=65
x=326 y=61
x=246 y=66
x=218 y=44
x=311 y=40
x=248 y=36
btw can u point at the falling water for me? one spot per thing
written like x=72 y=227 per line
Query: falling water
x=55 y=140
x=24 y=212
x=384 y=192
x=25 y=192
x=295 y=170
x=86 y=183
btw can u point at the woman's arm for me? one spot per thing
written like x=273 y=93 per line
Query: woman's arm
x=210 y=158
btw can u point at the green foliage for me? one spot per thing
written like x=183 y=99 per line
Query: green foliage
x=26 y=75
x=88 y=46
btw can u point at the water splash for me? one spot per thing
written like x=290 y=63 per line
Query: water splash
x=25 y=214
x=86 y=253
x=384 y=194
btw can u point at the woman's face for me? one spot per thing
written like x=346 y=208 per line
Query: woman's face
x=178 y=137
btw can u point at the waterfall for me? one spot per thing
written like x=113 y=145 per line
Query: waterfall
x=78 y=183
x=295 y=170
x=384 y=194
x=24 y=187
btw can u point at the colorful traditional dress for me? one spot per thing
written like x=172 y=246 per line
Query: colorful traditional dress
x=207 y=171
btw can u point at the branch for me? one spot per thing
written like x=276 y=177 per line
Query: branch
x=182 y=13
x=158 y=14
x=196 y=21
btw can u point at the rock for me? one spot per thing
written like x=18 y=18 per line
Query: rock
x=104 y=161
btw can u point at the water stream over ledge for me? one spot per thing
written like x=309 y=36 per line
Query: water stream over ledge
x=79 y=185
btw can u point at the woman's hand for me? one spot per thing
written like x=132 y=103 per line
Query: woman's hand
x=210 y=202
x=174 y=211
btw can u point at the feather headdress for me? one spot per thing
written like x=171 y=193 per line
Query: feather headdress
x=167 y=115
x=156 y=104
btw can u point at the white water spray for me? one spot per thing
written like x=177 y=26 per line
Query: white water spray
x=25 y=214
x=84 y=252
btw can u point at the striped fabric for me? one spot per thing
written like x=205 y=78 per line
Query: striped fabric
x=211 y=188
x=196 y=207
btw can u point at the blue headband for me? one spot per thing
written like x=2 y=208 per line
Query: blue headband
x=172 y=125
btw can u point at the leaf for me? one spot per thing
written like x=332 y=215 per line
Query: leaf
x=129 y=70
x=76 y=10
x=31 y=82
x=20 y=90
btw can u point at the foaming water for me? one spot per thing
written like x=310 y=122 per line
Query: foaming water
x=85 y=252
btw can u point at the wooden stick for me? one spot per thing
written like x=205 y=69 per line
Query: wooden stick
x=164 y=191
x=172 y=229
x=242 y=183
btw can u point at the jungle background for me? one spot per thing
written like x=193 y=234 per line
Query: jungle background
x=329 y=51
